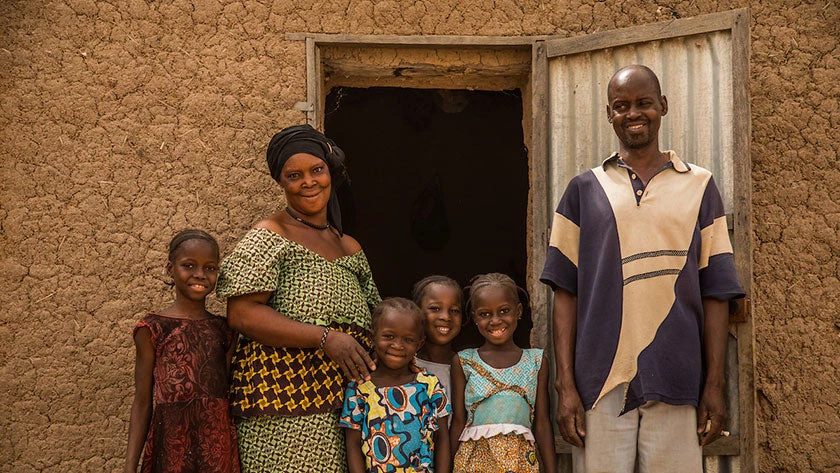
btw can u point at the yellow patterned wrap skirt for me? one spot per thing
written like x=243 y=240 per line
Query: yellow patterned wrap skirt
x=508 y=453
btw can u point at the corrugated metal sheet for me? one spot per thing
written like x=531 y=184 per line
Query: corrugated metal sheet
x=696 y=76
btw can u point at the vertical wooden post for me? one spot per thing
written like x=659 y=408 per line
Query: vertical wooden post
x=742 y=233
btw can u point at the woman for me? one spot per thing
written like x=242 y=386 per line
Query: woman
x=300 y=292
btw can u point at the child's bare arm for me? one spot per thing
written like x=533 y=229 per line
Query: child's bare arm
x=542 y=422
x=459 y=411
x=443 y=459
x=141 y=409
x=355 y=458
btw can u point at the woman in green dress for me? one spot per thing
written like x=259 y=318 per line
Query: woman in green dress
x=299 y=292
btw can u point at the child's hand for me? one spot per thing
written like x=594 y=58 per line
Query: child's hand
x=353 y=360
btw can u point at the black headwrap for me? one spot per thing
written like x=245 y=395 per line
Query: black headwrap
x=305 y=139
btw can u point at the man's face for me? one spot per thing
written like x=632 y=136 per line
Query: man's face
x=635 y=108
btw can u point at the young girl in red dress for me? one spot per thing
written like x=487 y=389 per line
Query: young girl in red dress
x=183 y=354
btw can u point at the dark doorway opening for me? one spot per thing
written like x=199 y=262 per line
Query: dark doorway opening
x=439 y=185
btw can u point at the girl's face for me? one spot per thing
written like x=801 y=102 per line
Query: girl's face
x=441 y=305
x=194 y=269
x=496 y=312
x=396 y=339
x=305 y=179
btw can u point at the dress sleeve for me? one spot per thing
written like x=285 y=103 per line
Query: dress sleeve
x=718 y=278
x=148 y=322
x=561 y=261
x=253 y=266
x=437 y=395
x=369 y=288
x=353 y=411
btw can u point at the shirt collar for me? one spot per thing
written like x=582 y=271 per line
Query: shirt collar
x=678 y=164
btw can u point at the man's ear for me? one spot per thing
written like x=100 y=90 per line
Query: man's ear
x=609 y=114
x=664 y=101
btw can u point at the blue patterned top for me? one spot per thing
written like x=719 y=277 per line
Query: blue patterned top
x=397 y=422
x=505 y=396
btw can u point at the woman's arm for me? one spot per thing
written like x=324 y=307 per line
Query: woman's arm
x=355 y=457
x=443 y=459
x=250 y=315
x=542 y=423
x=459 y=410
x=141 y=409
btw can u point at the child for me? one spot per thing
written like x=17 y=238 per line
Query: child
x=500 y=391
x=439 y=297
x=396 y=421
x=183 y=354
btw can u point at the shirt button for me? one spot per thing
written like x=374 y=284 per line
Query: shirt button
x=632 y=176
x=639 y=192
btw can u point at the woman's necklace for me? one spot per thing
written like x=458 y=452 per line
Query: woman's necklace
x=308 y=224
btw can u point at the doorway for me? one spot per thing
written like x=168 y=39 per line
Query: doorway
x=439 y=184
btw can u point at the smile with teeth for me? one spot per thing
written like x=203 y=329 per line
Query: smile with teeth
x=443 y=330
x=636 y=126
x=498 y=331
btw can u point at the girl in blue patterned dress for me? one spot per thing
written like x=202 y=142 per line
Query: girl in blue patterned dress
x=398 y=420
x=500 y=395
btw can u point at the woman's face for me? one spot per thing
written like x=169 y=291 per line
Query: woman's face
x=306 y=181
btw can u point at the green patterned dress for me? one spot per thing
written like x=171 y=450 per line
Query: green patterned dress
x=286 y=399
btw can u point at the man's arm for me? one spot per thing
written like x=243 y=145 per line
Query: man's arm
x=712 y=405
x=570 y=414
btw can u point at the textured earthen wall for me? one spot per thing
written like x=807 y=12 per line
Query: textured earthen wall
x=125 y=120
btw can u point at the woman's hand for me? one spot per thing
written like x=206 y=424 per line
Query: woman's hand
x=351 y=357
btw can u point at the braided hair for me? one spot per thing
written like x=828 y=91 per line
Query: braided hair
x=398 y=304
x=483 y=281
x=190 y=234
x=422 y=285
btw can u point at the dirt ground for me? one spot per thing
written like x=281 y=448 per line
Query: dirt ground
x=125 y=120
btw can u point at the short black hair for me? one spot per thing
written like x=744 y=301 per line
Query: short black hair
x=190 y=234
x=398 y=304
x=636 y=67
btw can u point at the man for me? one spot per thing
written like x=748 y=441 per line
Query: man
x=642 y=271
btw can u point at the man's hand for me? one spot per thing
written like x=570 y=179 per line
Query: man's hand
x=570 y=416
x=711 y=415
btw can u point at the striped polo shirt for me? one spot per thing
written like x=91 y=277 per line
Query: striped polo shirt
x=640 y=259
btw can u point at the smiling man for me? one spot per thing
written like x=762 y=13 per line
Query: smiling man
x=642 y=271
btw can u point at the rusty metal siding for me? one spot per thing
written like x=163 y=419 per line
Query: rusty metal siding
x=696 y=77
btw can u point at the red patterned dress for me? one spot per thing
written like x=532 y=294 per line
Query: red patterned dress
x=191 y=428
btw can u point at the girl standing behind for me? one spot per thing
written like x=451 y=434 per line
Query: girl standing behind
x=439 y=297
x=397 y=420
x=183 y=354
x=500 y=391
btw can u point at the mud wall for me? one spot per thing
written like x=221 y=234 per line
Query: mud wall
x=125 y=120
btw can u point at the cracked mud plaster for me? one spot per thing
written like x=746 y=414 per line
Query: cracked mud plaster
x=124 y=121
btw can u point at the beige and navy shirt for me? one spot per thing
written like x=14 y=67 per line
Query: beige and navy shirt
x=640 y=259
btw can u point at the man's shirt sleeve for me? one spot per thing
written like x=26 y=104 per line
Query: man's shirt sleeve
x=561 y=270
x=718 y=278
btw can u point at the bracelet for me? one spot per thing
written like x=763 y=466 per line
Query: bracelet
x=324 y=338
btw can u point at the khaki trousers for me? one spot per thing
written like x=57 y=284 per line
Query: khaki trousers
x=662 y=437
